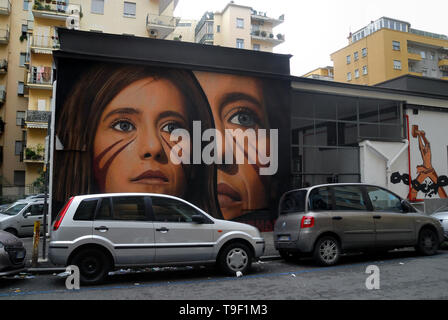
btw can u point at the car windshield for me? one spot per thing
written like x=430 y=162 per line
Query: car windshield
x=14 y=209
x=293 y=202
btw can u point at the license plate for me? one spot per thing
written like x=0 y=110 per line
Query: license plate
x=20 y=255
x=284 y=238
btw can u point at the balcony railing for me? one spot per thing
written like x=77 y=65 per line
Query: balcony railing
x=4 y=36
x=36 y=119
x=160 y=26
x=5 y=7
x=34 y=154
x=2 y=94
x=3 y=66
x=55 y=9
x=267 y=36
x=41 y=77
x=44 y=42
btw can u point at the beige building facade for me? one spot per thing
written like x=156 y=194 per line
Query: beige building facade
x=239 y=27
x=27 y=39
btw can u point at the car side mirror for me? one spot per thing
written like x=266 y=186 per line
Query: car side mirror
x=406 y=206
x=27 y=214
x=199 y=219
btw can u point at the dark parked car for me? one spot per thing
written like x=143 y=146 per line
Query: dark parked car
x=12 y=254
x=327 y=220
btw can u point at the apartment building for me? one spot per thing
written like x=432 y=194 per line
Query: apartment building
x=240 y=27
x=27 y=40
x=322 y=73
x=389 y=48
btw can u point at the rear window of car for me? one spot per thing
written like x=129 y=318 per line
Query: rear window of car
x=293 y=202
x=86 y=210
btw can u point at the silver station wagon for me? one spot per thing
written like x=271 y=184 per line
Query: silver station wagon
x=99 y=233
x=19 y=218
x=328 y=220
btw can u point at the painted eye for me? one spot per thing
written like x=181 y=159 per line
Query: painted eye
x=170 y=127
x=124 y=126
x=244 y=118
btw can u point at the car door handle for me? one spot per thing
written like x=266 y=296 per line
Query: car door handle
x=163 y=230
x=102 y=229
x=337 y=218
x=376 y=217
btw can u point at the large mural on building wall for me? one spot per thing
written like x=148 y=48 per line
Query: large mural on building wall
x=218 y=140
x=428 y=157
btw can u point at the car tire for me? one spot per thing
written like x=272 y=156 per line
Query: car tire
x=327 y=251
x=12 y=231
x=428 y=242
x=235 y=257
x=93 y=265
x=289 y=256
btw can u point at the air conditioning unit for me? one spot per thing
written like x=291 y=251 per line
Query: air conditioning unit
x=153 y=33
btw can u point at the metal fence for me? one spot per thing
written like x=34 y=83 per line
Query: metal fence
x=11 y=193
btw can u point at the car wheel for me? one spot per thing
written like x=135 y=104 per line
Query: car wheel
x=93 y=265
x=288 y=256
x=327 y=251
x=235 y=257
x=12 y=231
x=428 y=242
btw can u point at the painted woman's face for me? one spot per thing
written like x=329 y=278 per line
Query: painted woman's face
x=132 y=141
x=237 y=103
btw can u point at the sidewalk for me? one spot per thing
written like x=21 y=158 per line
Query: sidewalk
x=45 y=266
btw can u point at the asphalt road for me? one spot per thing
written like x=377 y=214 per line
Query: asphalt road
x=403 y=275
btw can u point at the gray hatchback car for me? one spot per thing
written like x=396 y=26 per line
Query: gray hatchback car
x=327 y=220
x=101 y=232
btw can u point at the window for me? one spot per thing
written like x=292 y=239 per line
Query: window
x=170 y=210
x=240 y=23
x=356 y=55
x=364 y=70
x=357 y=73
x=218 y=28
x=19 y=178
x=123 y=209
x=240 y=43
x=22 y=60
x=26 y=4
x=98 y=6
x=20 y=116
x=36 y=209
x=86 y=210
x=293 y=202
x=397 y=64
x=423 y=54
x=396 y=45
x=20 y=88
x=320 y=199
x=364 y=52
x=18 y=148
x=256 y=47
x=349 y=76
x=348 y=59
x=130 y=9
x=349 y=198
x=384 y=201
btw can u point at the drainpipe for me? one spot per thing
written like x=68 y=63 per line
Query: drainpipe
x=389 y=162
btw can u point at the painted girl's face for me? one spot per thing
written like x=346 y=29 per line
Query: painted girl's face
x=132 y=142
x=237 y=103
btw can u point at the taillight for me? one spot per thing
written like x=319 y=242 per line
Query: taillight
x=61 y=214
x=307 y=222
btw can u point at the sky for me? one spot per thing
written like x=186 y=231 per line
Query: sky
x=316 y=28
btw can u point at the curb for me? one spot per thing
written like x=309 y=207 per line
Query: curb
x=51 y=269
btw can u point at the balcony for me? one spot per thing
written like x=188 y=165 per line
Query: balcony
x=55 y=9
x=2 y=95
x=443 y=64
x=35 y=119
x=3 y=66
x=262 y=18
x=34 y=154
x=414 y=56
x=160 y=26
x=40 y=78
x=4 y=36
x=268 y=37
x=44 y=44
x=5 y=7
